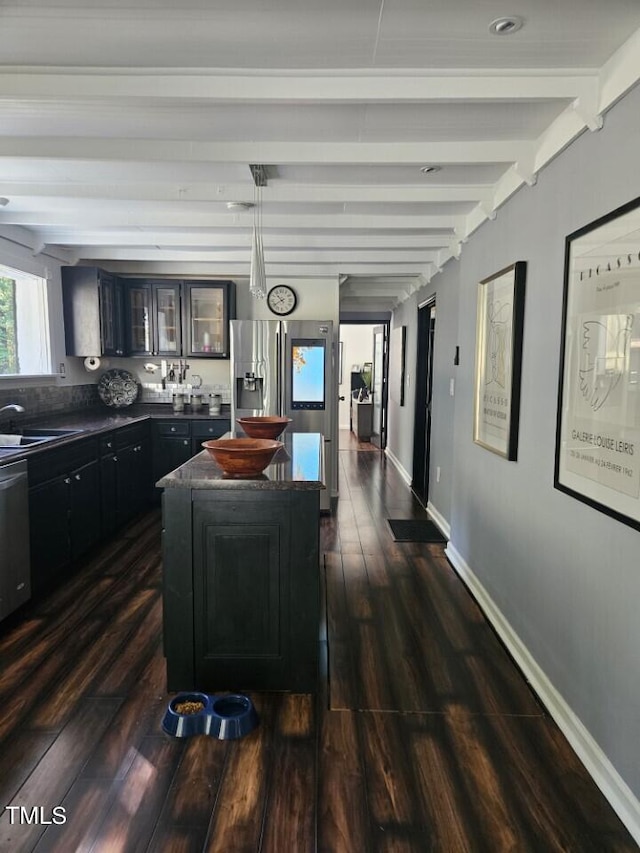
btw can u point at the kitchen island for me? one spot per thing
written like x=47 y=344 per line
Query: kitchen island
x=241 y=572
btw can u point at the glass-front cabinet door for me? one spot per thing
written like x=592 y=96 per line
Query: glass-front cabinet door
x=166 y=318
x=111 y=319
x=209 y=307
x=139 y=332
x=153 y=318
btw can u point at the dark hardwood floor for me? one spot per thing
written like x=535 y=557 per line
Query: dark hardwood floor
x=423 y=736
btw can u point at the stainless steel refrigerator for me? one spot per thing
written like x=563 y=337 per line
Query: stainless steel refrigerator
x=286 y=367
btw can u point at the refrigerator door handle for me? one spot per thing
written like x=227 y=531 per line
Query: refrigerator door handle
x=279 y=372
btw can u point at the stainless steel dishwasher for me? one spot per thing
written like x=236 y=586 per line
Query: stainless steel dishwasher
x=15 y=569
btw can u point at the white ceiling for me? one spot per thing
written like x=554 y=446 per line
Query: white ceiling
x=125 y=127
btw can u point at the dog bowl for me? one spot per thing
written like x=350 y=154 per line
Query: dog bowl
x=183 y=718
x=264 y=426
x=242 y=457
x=232 y=716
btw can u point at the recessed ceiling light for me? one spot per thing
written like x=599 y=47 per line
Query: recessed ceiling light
x=506 y=26
x=3 y=201
x=239 y=205
x=429 y=170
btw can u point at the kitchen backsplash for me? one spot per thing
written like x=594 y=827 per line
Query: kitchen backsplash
x=41 y=400
x=153 y=392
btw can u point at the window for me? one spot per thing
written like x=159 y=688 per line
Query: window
x=24 y=324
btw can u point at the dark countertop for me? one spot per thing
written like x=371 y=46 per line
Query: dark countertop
x=100 y=419
x=298 y=466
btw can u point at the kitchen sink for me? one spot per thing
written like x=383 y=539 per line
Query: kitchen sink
x=31 y=437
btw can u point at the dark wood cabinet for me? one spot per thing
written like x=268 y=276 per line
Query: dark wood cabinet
x=153 y=317
x=206 y=430
x=133 y=470
x=84 y=508
x=175 y=441
x=207 y=307
x=49 y=532
x=171 y=447
x=105 y=314
x=64 y=510
x=109 y=492
x=93 y=304
x=241 y=589
x=82 y=493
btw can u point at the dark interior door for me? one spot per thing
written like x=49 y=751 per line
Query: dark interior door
x=424 y=391
x=379 y=387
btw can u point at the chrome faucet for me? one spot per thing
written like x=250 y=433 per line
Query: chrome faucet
x=12 y=407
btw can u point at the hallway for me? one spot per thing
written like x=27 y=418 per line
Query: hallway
x=423 y=737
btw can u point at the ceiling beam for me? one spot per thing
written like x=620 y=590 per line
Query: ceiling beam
x=171 y=217
x=274 y=193
x=369 y=153
x=221 y=240
x=300 y=86
x=199 y=267
x=382 y=258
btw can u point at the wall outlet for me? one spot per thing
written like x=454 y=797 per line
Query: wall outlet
x=452 y=386
x=437 y=474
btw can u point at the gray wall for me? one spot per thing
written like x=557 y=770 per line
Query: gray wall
x=565 y=576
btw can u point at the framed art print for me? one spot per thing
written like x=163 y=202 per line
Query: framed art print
x=598 y=426
x=499 y=327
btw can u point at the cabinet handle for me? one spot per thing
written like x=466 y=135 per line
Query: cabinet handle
x=77 y=476
x=173 y=429
x=185 y=441
x=109 y=444
x=115 y=458
x=67 y=480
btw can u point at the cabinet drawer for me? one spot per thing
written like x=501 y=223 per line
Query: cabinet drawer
x=51 y=463
x=131 y=435
x=107 y=444
x=172 y=428
x=210 y=429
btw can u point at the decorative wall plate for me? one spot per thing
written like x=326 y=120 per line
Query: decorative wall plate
x=118 y=388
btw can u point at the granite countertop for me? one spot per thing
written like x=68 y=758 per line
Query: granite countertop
x=96 y=420
x=298 y=466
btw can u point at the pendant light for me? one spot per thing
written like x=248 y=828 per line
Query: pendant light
x=257 y=276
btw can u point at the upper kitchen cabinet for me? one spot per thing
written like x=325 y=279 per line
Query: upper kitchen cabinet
x=208 y=307
x=153 y=317
x=93 y=312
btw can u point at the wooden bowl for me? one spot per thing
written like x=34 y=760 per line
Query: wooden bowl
x=242 y=457
x=264 y=426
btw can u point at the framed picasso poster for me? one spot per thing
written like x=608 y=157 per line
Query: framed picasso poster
x=598 y=426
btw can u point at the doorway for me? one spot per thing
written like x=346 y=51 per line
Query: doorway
x=424 y=394
x=379 y=386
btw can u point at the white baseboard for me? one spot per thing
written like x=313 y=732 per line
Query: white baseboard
x=406 y=476
x=604 y=774
x=439 y=520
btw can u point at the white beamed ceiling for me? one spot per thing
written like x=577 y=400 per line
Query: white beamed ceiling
x=125 y=128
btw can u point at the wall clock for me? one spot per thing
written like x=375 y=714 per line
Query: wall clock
x=282 y=299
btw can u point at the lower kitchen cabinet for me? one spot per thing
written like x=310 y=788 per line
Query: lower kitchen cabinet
x=241 y=589
x=64 y=510
x=125 y=466
x=176 y=440
x=82 y=493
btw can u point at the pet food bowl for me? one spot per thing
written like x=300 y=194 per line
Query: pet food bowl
x=232 y=716
x=242 y=457
x=183 y=718
x=264 y=426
